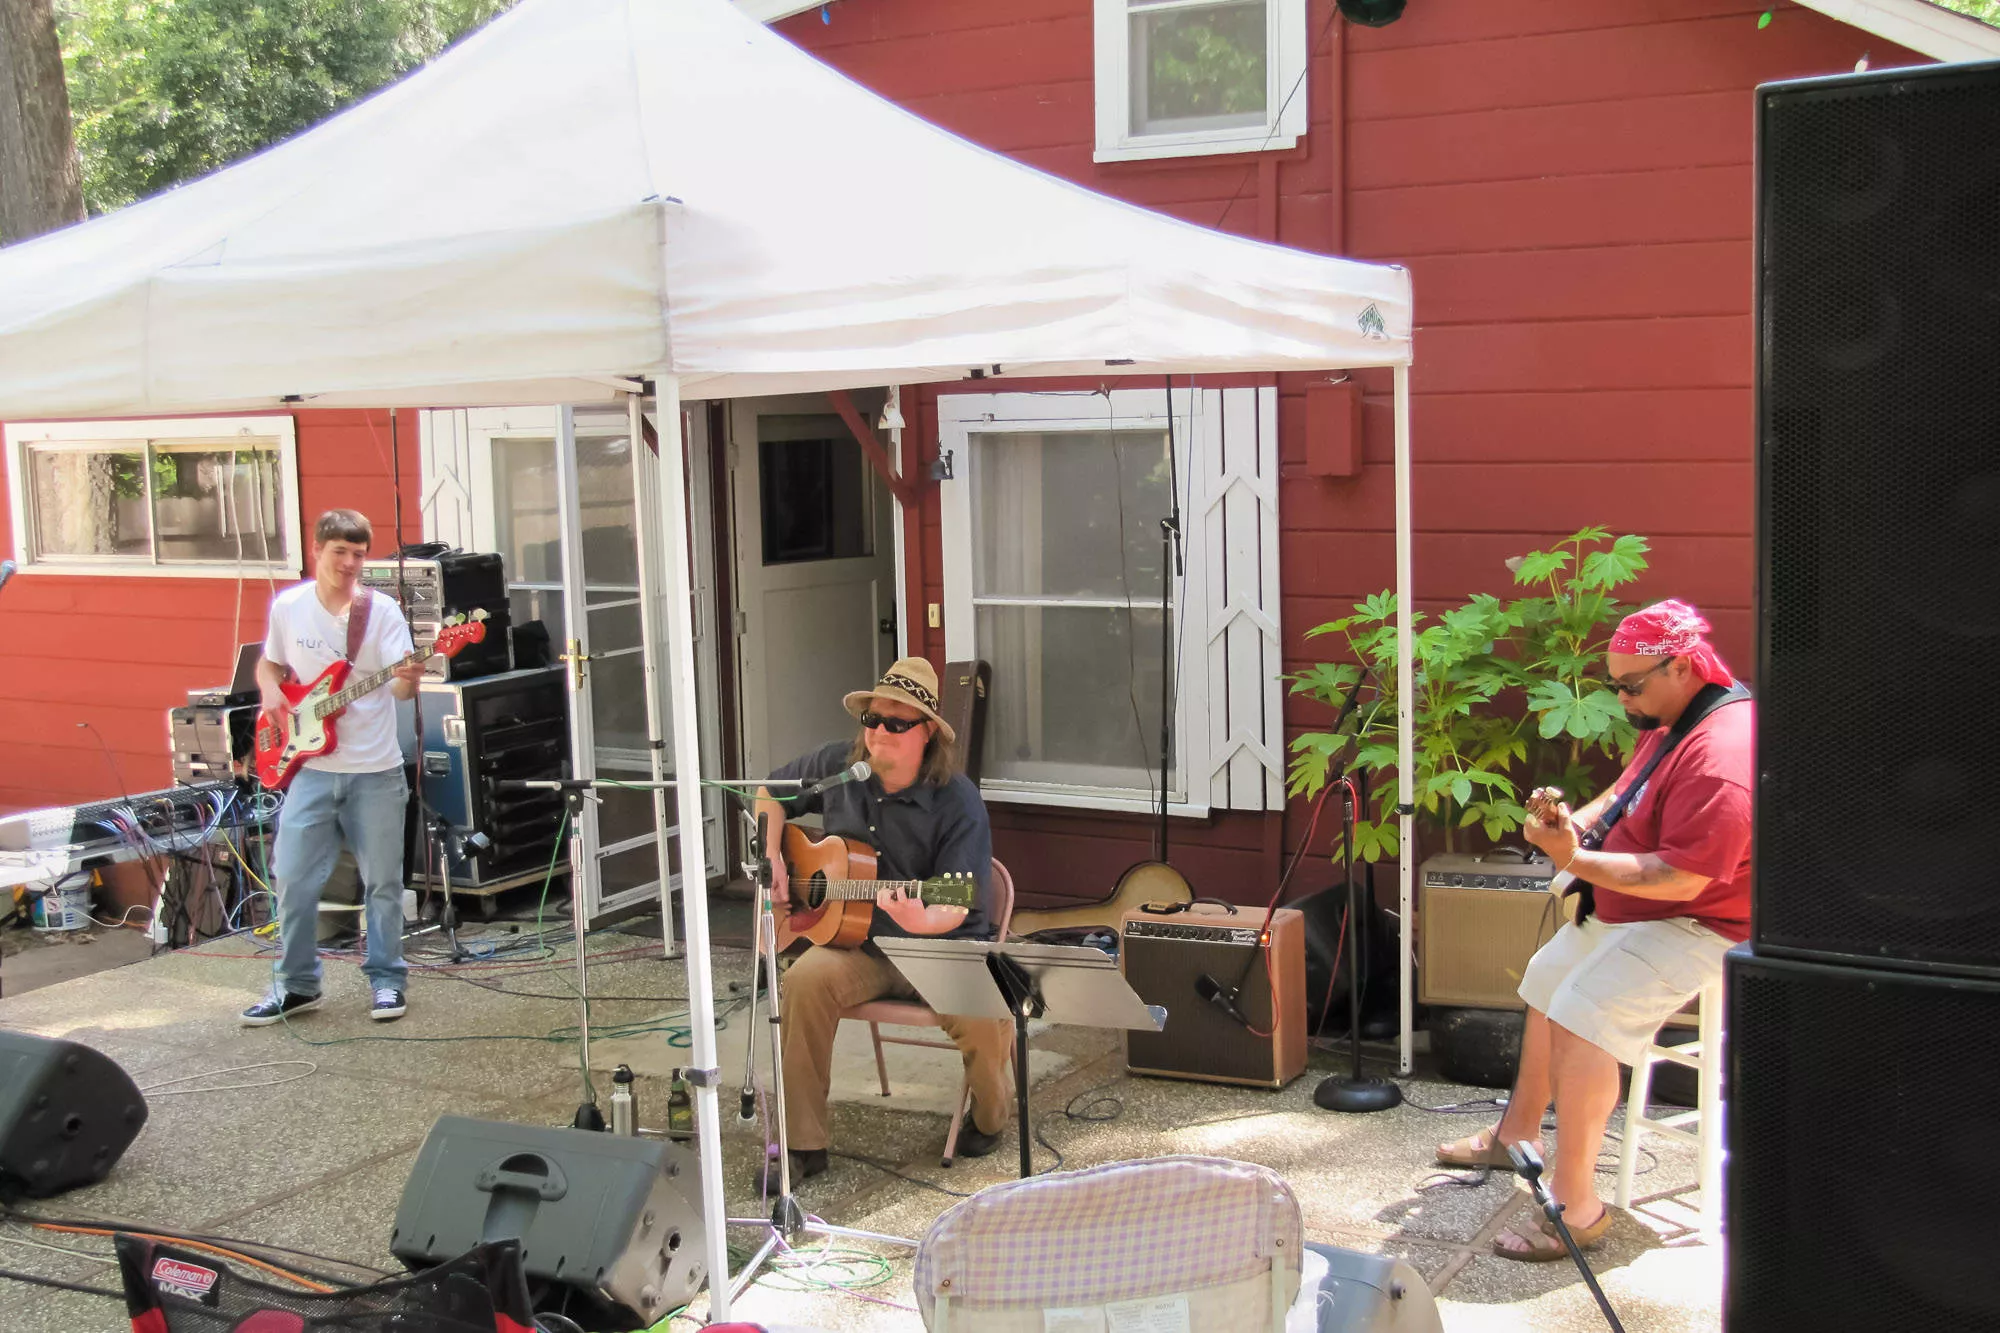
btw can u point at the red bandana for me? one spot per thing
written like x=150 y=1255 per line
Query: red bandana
x=1671 y=629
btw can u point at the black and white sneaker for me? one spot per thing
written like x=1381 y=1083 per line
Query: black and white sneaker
x=276 y=1008
x=389 y=1003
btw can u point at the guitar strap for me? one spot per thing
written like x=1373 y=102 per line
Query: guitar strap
x=357 y=621
x=1710 y=698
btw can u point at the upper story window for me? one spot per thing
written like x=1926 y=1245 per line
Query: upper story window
x=213 y=496
x=1181 y=78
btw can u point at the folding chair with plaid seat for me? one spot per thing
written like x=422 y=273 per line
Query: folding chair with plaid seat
x=1222 y=1235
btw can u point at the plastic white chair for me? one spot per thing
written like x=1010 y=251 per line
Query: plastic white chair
x=1701 y=1126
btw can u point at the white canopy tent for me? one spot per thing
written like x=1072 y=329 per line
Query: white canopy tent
x=592 y=194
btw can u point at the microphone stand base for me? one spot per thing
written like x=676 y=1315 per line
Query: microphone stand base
x=1338 y=1093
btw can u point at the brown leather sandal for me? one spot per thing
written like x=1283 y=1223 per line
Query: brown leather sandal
x=1545 y=1245
x=1467 y=1153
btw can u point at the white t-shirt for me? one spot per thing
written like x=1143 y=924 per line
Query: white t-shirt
x=303 y=636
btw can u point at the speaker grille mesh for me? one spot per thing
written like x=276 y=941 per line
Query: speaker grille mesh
x=1861 y=1172
x=1879 y=453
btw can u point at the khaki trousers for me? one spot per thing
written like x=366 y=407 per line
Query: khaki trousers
x=825 y=981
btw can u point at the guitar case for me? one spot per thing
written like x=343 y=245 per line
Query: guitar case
x=964 y=707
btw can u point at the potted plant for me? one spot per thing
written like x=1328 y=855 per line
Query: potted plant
x=1500 y=687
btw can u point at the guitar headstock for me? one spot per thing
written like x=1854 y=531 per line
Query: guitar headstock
x=460 y=633
x=959 y=888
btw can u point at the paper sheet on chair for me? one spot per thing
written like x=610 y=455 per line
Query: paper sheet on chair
x=1155 y=1314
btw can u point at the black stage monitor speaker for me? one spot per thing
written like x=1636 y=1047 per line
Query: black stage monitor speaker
x=613 y=1222
x=1861 y=1167
x=67 y=1114
x=1878 y=534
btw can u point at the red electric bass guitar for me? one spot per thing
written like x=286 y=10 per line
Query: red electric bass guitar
x=306 y=729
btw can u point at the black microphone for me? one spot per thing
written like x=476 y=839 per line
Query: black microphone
x=858 y=771
x=1211 y=990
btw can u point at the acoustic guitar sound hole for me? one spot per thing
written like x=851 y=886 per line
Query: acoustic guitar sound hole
x=816 y=892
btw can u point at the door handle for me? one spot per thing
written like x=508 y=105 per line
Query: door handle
x=576 y=657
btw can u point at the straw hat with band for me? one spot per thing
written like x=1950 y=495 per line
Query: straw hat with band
x=909 y=680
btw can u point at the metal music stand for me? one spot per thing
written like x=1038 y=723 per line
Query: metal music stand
x=1072 y=984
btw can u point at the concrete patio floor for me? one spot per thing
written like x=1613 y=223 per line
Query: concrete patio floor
x=318 y=1163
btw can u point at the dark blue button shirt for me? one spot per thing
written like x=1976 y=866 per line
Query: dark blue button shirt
x=917 y=832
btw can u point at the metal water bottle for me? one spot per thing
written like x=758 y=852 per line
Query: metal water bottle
x=680 y=1108
x=624 y=1108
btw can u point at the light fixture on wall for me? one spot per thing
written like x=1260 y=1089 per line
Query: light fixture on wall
x=941 y=466
x=892 y=411
x=1372 y=13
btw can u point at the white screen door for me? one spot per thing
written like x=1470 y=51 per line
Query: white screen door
x=558 y=491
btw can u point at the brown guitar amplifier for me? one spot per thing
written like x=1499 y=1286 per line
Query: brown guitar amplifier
x=1479 y=920
x=1165 y=959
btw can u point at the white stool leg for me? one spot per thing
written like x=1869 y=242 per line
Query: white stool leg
x=1636 y=1094
x=1711 y=1110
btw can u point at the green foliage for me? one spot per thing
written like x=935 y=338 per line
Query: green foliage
x=1987 y=11
x=1205 y=62
x=164 y=91
x=1499 y=686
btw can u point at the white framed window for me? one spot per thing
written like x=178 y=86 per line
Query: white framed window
x=1053 y=573
x=1182 y=78
x=189 y=497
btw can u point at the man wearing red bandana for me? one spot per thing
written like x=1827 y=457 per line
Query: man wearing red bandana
x=1671 y=885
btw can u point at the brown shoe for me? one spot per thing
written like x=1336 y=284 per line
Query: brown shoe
x=1539 y=1242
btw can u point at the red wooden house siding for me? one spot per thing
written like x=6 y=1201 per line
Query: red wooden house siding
x=1569 y=182
x=118 y=652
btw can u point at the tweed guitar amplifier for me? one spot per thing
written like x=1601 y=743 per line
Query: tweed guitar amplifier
x=1175 y=961
x=1480 y=918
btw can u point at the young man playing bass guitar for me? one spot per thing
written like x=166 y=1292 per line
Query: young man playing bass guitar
x=354 y=793
x=923 y=820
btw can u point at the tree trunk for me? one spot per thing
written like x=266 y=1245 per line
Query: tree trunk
x=40 y=179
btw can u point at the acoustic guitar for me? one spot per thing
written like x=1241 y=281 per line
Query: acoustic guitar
x=833 y=887
x=1146 y=882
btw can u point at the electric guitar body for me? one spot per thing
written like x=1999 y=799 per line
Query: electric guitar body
x=1145 y=882
x=832 y=887
x=308 y=726
x=286 y=740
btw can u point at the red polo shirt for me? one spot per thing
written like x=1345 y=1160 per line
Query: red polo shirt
x=1694 y=813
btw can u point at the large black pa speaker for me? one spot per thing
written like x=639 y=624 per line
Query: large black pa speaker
x=1878 y=535
x=67 y=1114
x=610 y=1227
x=1861 y=1170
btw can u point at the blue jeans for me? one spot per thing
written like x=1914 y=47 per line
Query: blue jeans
x=365 y=810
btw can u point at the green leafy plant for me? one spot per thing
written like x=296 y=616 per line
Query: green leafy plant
x=1500 y=687
x=1463 y=748
x=1557 y=652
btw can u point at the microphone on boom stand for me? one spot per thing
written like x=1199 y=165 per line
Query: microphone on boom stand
x=858 y=771
x=1353 y=1092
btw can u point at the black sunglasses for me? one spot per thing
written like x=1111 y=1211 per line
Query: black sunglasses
x=895 y=726
x=1632 y=688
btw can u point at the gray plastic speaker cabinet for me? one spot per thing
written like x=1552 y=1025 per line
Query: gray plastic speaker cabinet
x=67 y=1113
x=616 y=1219
x=1371 y=1293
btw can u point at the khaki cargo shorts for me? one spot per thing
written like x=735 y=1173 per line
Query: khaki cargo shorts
x=1613 y=985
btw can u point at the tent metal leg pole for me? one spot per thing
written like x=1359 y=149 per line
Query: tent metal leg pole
x=678 y=585
x=645 y=508
x=1405 y=725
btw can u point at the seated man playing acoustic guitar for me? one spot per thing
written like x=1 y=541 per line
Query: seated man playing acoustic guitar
x=923 y=820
